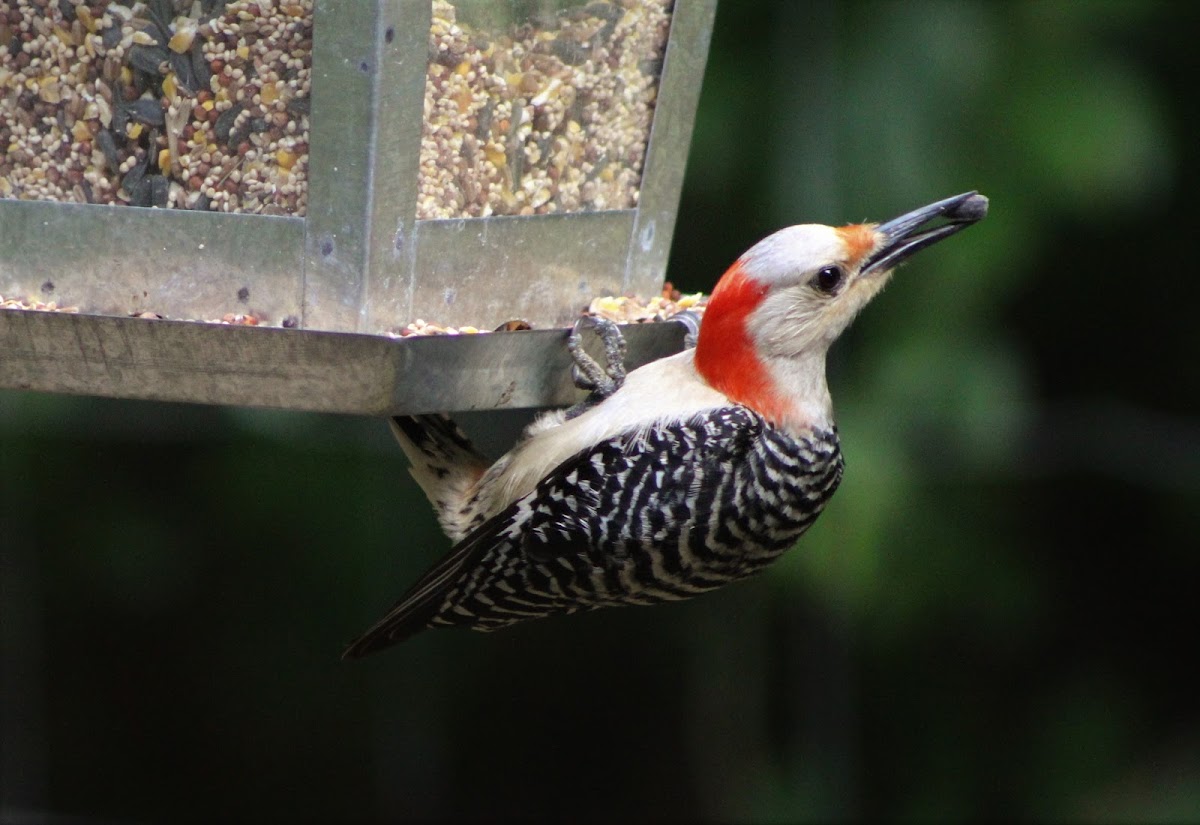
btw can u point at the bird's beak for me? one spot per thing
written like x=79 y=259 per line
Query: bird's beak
x=903 y=236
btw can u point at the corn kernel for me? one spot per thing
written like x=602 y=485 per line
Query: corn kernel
x=496 y=157
x=181 y=41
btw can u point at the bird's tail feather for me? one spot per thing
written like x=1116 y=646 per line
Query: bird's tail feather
x=413 y=612
x=444 y=462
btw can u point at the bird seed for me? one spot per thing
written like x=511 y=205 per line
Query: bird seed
x=192 y=104
x=204 y=104
x=542 y=115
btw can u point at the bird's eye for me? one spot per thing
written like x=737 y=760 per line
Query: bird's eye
x=828 y=279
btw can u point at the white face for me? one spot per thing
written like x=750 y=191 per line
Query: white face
x=815 y=288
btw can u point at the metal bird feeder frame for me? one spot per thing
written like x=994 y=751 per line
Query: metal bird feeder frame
x=363 y=258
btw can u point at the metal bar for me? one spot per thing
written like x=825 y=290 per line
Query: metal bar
x=402 y=38
x=365 y=139
x=666 y=155
x=339 y=179
x=297 y=369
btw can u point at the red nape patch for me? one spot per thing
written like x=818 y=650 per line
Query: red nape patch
x=860 y=240
x=725 y=354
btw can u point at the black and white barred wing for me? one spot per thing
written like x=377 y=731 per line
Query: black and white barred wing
x=664 y=512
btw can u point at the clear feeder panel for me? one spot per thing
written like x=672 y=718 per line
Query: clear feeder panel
x=190 y=104
x=535 y=108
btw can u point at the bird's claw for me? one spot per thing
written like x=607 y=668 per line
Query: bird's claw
x=588 y=375
x=597 y=381
x=691 y=325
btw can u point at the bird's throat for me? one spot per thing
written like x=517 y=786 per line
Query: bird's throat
x=726 y=354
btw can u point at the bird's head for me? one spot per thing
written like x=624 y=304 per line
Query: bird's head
x=775 y=312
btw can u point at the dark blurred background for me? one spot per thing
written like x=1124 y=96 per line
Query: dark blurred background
x=995 y=618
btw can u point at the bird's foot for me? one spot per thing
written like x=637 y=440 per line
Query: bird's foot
x=691 y=325
x=599 y=382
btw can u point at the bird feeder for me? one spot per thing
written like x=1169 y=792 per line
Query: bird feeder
x=247 y=202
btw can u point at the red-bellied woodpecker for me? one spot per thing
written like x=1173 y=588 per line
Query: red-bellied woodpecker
x=694 y=471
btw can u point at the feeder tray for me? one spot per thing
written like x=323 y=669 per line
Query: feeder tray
x=462 y=165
